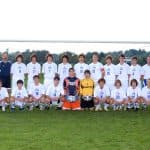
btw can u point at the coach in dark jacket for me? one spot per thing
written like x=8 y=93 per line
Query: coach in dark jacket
x=5 y=67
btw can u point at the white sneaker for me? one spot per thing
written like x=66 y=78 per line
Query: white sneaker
x=96 y=107
x=31 y=108
x=120 y=107
x=41 y=107
x=105 y=108
x=100 y=109
x=3 y=109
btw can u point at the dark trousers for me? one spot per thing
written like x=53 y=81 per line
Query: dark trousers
x=6 y=81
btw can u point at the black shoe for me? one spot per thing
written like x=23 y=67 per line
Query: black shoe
x=12 y=109
x=136 y=109
x=47 y=107
x=37 y=107
x=58 y=108
x=21 y=109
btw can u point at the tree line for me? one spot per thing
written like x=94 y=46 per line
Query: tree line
x=141 y=54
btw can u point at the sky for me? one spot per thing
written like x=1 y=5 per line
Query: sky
x=75 y=20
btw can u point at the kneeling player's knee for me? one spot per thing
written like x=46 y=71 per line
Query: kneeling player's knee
x=12 y=99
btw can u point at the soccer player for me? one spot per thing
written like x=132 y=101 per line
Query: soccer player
x=4 y=97
x=134 y=95
x=122 y=70
x=102 y=96
x=33 y=68
x=87 y=91
x=110 y=72
x=146 y=94
x=54 y=93
x=146 y=71
x=135 y=71
x=19 y=96
x=63 y=68
x=5 y=66
x=118 y=96
x=37 y=94
x=49 y=70
x=96 y=68
x=71 y=92
x=18 y=71
x=80 y=67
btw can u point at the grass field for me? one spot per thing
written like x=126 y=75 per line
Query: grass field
x=58 y=130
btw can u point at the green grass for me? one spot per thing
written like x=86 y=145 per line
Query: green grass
x=58 y=130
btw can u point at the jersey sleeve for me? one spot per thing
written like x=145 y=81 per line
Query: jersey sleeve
x=12 y=69
x=48 y=91
x=143 y=93
x=42 y=90
x=25 y=94
x=31 y=90
x=28 y=68
x=96 y=92
x=39 y=68
x=6 y=93
x=124 y=94
x=112 y=94
x=116 y=70
x=25 y=69
x=139 y=92
x=59 y=69
x=141 y=71
x=43 y=68
x=13 y=92
x=55 y=68
x=81 y=90
x=62 y=91
x=128 y=92
x=107 y=92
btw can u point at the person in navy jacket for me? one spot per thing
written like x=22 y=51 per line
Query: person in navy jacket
x=5 y=66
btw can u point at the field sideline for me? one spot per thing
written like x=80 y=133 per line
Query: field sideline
x=57 y=130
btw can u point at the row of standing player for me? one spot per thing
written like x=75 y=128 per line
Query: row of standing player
x=76 y=95
x=109 y=71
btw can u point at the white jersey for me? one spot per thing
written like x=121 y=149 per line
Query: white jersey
x=79 y=69
x=63 y=71
x=101 y=93
x=19 y=93
x=49 y=70
x=33 y=69
x=135 y=72
x=55 y=91
x=96 y=71
x=122 y=71
x=146 y=71
x=146 y=93
x=18 y=70
x=118 y=94
x=133 y=93
x=37 y=90
x=3 y=93
x=110 y=75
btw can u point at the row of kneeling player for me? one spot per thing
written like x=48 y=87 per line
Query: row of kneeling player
x=76 y=95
